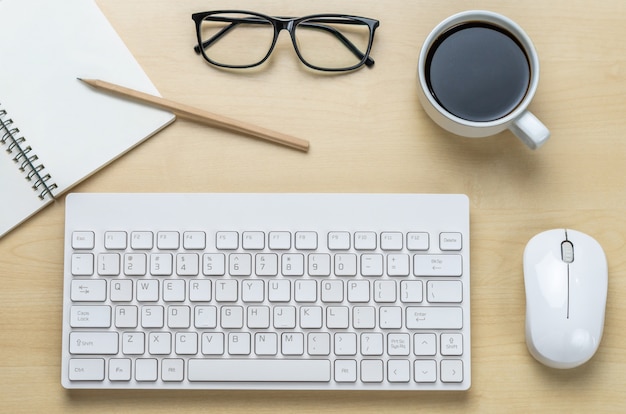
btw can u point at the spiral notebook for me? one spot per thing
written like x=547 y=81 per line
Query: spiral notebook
x=54 y=130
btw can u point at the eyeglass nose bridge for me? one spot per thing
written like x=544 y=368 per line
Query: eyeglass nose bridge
x=280 y=24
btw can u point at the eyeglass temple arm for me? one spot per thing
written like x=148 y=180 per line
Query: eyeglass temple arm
x=234 y=22
x=215 y=37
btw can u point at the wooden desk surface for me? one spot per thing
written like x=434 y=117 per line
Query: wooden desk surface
x=368 y=133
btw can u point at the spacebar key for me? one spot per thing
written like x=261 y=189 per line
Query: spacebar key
x=240 y=370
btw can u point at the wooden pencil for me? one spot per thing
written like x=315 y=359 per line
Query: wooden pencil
x=200 y=115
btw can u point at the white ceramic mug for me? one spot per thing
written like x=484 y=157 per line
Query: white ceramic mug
x=519 y=120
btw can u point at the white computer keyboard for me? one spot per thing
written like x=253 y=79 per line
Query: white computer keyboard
x=267 y=291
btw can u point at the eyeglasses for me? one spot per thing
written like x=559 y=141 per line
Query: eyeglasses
x=242 y=39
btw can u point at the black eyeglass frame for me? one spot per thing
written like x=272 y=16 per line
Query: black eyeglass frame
x=290 y=24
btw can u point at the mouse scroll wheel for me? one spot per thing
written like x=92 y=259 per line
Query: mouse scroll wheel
x=567 y=251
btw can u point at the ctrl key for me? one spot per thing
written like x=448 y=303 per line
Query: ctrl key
x=86 y=369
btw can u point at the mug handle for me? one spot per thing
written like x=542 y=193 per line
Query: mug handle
x=530 y=130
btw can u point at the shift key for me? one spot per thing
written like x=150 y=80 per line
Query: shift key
x=101 y=343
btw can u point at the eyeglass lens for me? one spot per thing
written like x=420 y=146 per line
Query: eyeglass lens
x=244 y=40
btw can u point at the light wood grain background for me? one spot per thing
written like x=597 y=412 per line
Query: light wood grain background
x=368 y=134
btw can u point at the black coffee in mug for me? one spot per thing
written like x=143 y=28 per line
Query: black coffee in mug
x=477 y=72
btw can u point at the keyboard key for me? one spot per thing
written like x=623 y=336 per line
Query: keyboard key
x=437 y=265
x=450 y=241
x=253 y=291
x=266 y=264
x=160 y=264
x=108 y=264
x=240 y=264
x=200 y=290
x=345 y=344
x=425 y=370
x=398 y=344
x=147 y=290
x=451 y=344
x=172 y=370
x=227 y=240
x=119 y=369
x=212 y=344
x=358 y=291
x=292 y=343
x=226 y=290
x=121 y=290
x=345 y=264
x=90 y=316
x=391 y=241
x=239 y=343
x=146 y=369
x=133 y=343
x=345 y=370
x=305 y=291
x=115 y=240
x=385 y=291
x=83 y=240
x=213 y=264
x=441 y=291
x=178 y=317
x=451 y=370
x=279 y=291
x=417 y=241
x=259 y=370
x=187 y=264
x=280 y=240
x=186 y=343
x=126 y=316
x=434 y=317
x=205 y=317
x=319 y=264
x=86 y=369
x=390 y=317
x=372 y=370
x=411 y=291
x=318 y=343
x=135 y=264
x=364 y=317
x=398 y=264
x=88 y=290
x=91 y=343
x=306 y=240
x=372 y=264
x=365 y=240
x=292 y=264
x=338 y=240
x=82 y=264
x=168 y=240
x=425 y=344
x=194 y=240
x=266 y=343
x=141 y=240
x=398 y=370
x=372 y=343
x=253 y=240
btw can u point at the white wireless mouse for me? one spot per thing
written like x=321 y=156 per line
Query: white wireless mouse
x=566 y=279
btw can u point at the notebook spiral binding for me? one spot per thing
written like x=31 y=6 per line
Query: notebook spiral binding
x=24 y=157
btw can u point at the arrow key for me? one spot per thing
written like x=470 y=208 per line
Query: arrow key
x=425 y=371
x=451 y=370
x=398 y=370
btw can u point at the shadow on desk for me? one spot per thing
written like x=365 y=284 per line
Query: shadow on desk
x=265 y=401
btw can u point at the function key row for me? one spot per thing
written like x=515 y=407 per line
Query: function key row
x=274 y=240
